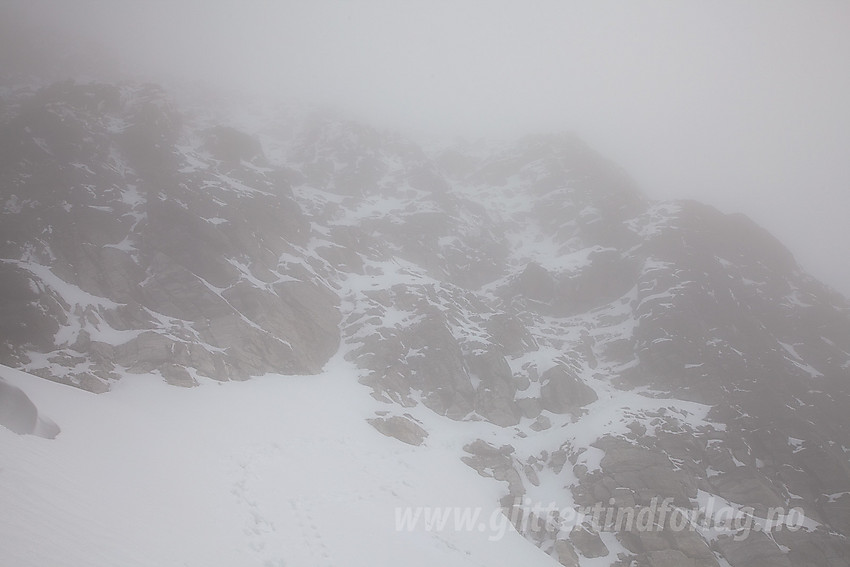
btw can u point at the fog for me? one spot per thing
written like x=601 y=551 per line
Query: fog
x=741 y=105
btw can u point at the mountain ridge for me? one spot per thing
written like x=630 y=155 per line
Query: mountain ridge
x=628 y=348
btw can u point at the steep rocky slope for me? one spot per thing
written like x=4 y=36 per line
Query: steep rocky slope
x=622 y=349
x=131 y=241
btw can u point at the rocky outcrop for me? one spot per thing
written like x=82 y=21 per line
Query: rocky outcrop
x=403 y=428
x=138 y=248
x=617 y=350
x=564 y=392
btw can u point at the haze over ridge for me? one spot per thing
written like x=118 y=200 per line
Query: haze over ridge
x=741 y=106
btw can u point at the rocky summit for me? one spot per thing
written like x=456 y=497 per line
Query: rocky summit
x=623 y=352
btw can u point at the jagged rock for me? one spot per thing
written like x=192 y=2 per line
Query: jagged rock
x=27 y=316
x=648 y=473
x=90 y=382
x=566 y=553
x=536 y=283
x=588 y=542
x=563 y=391
x=511 y=336
x=177 y=376
x=496 y=462
x=441 y=372
x=494 y=396
x=542 y=422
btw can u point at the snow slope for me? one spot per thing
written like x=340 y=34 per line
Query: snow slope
x=279 y=470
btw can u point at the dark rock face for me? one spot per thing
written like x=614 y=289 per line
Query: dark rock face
x=627 y=351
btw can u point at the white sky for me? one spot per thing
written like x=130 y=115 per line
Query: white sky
x=742 y=104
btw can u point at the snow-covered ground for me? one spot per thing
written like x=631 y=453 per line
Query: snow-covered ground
x=278 y=470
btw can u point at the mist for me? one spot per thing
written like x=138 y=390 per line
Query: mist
x=740 y=105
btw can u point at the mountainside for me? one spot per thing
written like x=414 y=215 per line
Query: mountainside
x=588 y=345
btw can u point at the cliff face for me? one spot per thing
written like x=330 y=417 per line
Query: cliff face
x=133 y=241
x=626 y=349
